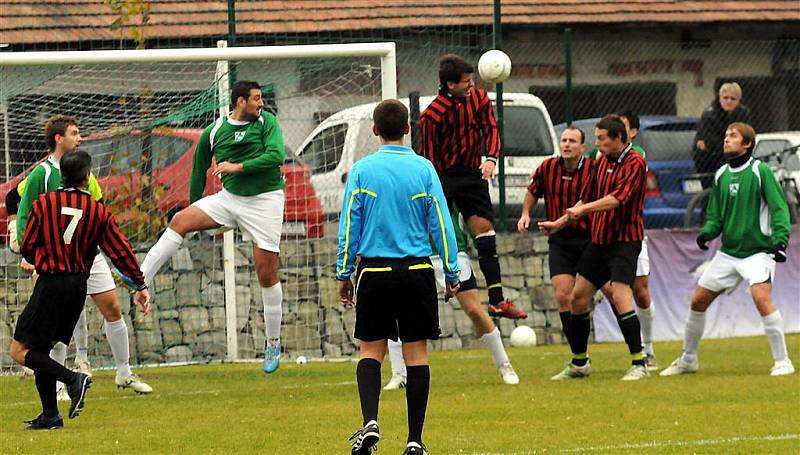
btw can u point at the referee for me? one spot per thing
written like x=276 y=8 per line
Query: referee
x=61 y=237
x=560 y=181
x=614 y=200
x=455 y=128
x=393 y=203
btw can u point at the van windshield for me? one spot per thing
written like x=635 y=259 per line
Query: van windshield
x=525 y=132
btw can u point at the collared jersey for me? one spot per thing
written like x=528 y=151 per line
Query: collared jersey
x=257 y=145
x=748 y=208
x=64 y=230
x=392 y=203
x=624 y=179
x=562 y=189
x=455 y=130
x=44 y=178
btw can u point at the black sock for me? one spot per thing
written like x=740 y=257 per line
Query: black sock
x=490 y=266
x=46 y=386
x=632 y=332
x=579 y=342
x=40 y=362
x=368 y=376
x=418 y=384
x=566 y=323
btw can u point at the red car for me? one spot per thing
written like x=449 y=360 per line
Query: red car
x=116 y=162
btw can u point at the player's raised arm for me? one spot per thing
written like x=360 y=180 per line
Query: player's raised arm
x=200 y=164
x=274 y=151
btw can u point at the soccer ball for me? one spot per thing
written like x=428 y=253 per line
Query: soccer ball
x=494 y=66
x=523 y=336
x=301 y=360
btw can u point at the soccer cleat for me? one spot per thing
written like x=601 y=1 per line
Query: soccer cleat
x=77 y=392
x=123 y=280
x=133 y=382
x=272 y=357
x=636 y=372
x=782 y=368
x=42 y=422
x=84 y=367
x=366 y=439
x=508 y=374
x=574 y=372
x=650 y=362
x=397 y=382
x=414 y=448
x=679 y=366
x=506 y=309
x=61 y=393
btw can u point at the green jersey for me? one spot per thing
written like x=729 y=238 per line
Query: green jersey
x=636 y=148
x=44 y=178
x=461 y=236
x=257 y=145
x=747 y=207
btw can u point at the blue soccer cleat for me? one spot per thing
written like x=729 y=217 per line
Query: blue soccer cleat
x=272 y=357
x=123 y=280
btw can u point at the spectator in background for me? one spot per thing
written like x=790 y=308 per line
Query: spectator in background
x=726 y=109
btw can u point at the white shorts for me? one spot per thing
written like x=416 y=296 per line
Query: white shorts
x=260 y=217
x=438 y=268
x=643 y=261
x=100 y=279
x=726 y=272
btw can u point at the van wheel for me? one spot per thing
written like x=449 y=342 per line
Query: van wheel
x=698 y=203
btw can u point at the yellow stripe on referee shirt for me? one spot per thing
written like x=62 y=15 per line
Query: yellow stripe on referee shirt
x=347 y=231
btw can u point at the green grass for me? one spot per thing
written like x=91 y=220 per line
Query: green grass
x=731 y=406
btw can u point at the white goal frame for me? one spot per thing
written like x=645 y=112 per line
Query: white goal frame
x=386 y=51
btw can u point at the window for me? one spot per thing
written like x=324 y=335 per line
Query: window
x=525 y=132
x=668 y=141
x=323 y=153
x=122 y=155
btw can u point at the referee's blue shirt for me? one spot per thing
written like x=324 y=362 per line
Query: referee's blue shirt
x=393 y=204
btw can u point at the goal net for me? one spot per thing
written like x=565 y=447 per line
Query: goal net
x=141 y=114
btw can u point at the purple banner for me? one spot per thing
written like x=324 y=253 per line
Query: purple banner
x=676 y=264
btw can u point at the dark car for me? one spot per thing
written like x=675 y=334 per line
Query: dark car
x=668 y=141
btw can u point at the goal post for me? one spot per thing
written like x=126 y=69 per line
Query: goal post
x=95 y=72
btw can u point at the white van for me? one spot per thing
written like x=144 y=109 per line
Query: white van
x=345 y=137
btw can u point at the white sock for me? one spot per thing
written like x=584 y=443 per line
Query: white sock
x=646 y=322
x=695 y=326
x=117 y=335
x=81 y=337
x=160 y=253
x=494 y=342
x=273 y=298
x=773 y=327
x=59 y=354
x=396 y=358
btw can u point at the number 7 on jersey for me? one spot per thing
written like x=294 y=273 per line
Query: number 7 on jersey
x=76 y=215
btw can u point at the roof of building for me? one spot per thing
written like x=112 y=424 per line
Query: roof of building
x=44 y=21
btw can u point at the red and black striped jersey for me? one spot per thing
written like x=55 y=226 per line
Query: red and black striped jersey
x=64 y=230
x=623 y=178
x=562 y=188
x=455 y=130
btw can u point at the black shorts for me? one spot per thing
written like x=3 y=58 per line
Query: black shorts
x=465 y=187
x=52 y=311
x=396 y=298
x=615 y=262
x=565 y=253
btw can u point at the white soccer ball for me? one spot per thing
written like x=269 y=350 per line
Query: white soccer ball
x=494 y=66
x=523 y=336
x=301 y=360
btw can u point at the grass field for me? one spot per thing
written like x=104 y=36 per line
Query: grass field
x=731 y=406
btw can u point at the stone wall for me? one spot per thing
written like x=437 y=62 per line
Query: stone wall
x=187 y=321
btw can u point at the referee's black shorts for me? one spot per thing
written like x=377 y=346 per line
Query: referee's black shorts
x=614 y=262
x=396 y=298
x=52 y=311
x=565 y=252
x=468 y=190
